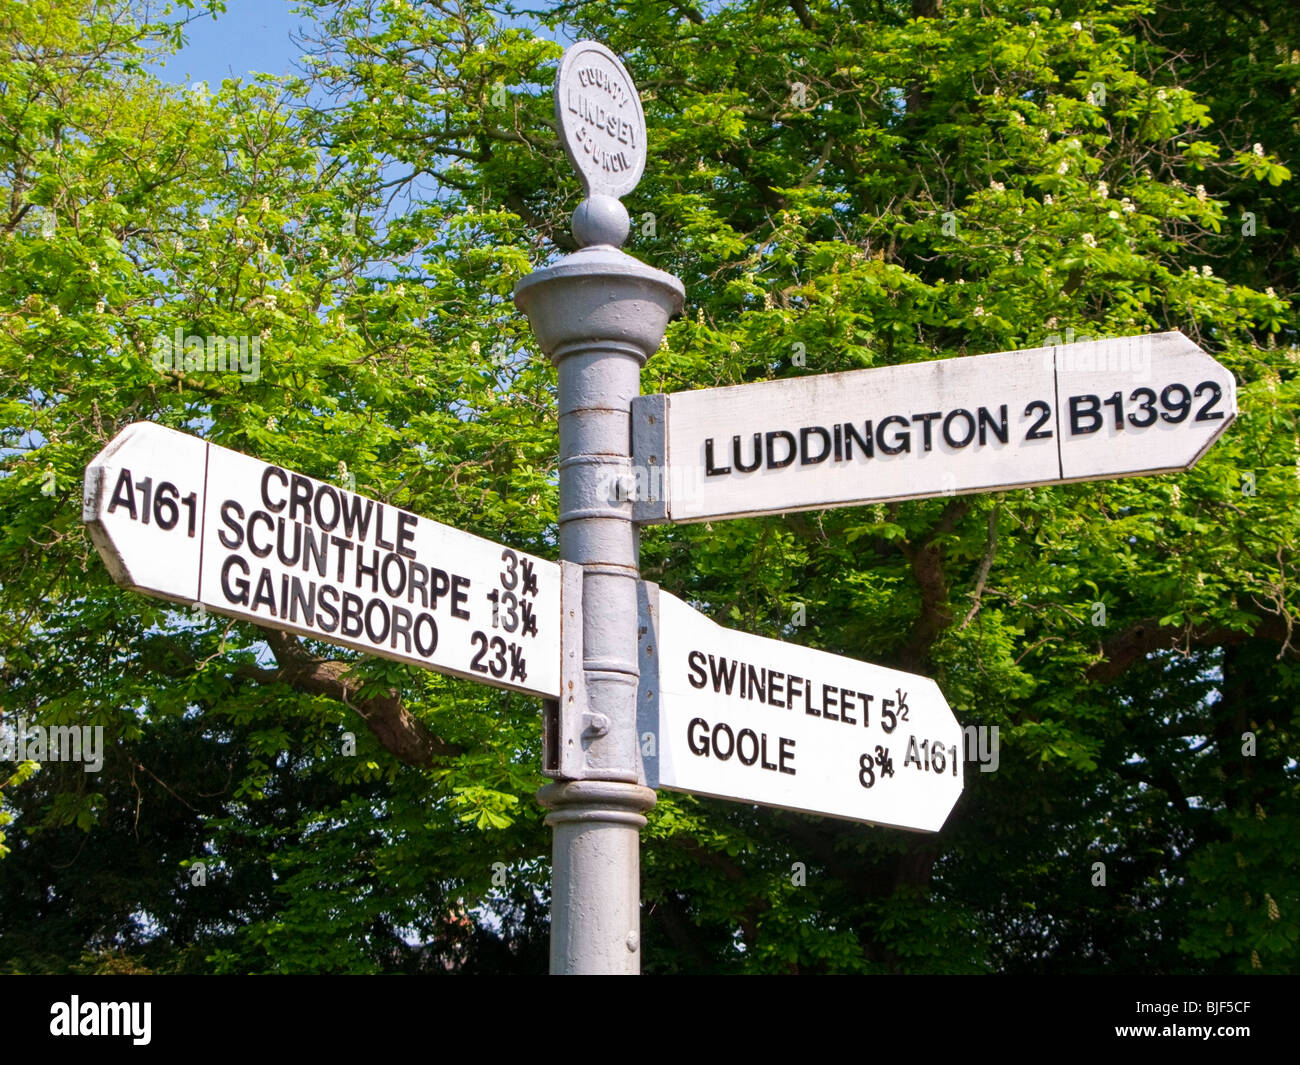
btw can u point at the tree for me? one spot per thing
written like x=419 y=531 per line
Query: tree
x=860 y=183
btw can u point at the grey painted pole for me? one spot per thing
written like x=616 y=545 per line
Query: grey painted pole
x=599 y=314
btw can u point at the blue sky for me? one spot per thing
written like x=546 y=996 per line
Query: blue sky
x=253 y=36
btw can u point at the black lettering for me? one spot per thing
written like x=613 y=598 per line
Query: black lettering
x=846 y=705
x=260 y=552
x=300 y=597
x=927 y=421
x=1082 y=407
x=273 y=472
x=864 y=442
x=327 y=614
x=381 y=634
x=828 y=702
x=987 y=424
x=315 y=546
x=239 y=594
x=696 y=662
x=458 y=597
x=711 y=469
x=775 y=686
x=351 y=614
x=402 y=627
x=297 y=543
x=773 y=463
x=722 y=726
x=417 y=581
x=326 y=491
x=299 y=497
x=405 y=533
x=342 y=547
x=949 y=439
x=371 y=571
x=758 y=454
x=431 y=639
x=806 y=458
x=393 y=592
x=237 y=541
x=356 y=516
x=786 y=754
x=740 y=749
x=724 y=673
x=127 y=500
x=698 y=741
x=264 y=593
x=440 y=587
x=379 y=531
x=902 y=441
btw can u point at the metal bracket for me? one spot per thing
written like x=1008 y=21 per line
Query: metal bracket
x=650 y=468
x=562 y=724
x=647 y=697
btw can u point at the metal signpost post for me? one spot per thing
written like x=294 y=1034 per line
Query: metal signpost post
x=731 y=715
x=599 y=314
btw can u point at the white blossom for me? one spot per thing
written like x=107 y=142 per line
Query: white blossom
x=1128 y=205
x=1089 y=240
x=1206 y=271
x=1200 y=193
x=1103 y=190
x=1077 y=27
x=1258 y=149
x=997 y=186
x=1048 y=201
x=1064 y=168
x=203 y=224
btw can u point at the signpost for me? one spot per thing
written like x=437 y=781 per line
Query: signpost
x=179 y=518
x=758 y=720
x=736 y=716
x=1079 y=412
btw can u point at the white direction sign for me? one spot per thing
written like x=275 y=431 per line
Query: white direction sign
x=758 y=720
x=176 y=517
x=1076 y=412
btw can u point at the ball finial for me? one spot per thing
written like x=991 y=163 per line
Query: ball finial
x=600 y=220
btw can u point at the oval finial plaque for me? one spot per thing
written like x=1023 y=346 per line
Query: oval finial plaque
x=601 y=122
